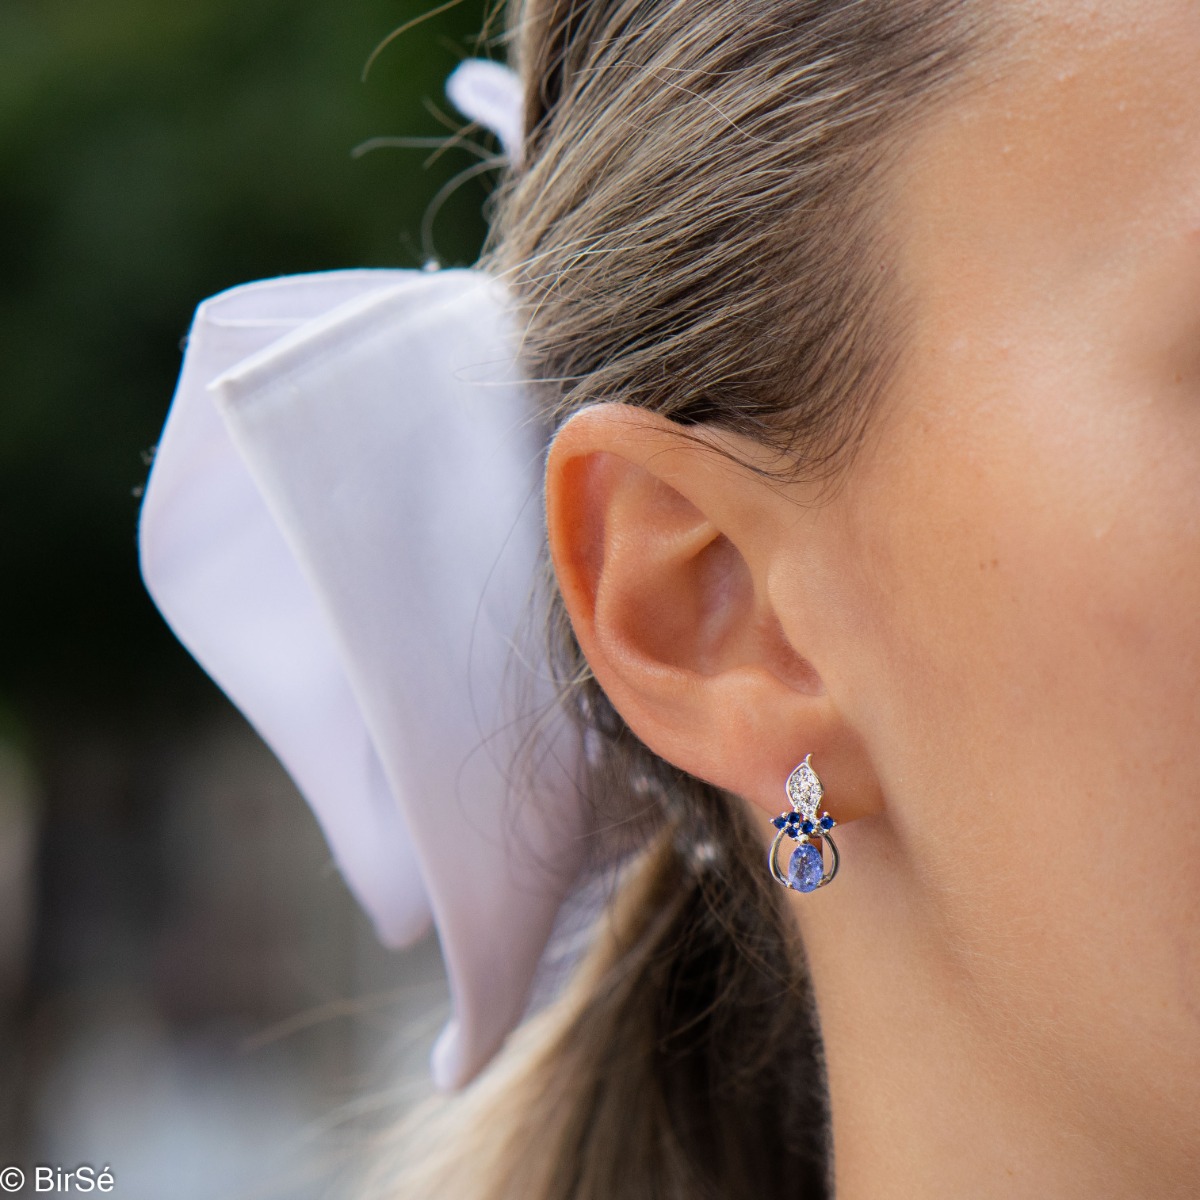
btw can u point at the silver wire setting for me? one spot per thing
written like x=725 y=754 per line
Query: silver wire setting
x=807 y=868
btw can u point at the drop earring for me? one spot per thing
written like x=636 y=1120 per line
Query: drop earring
x=807 y=870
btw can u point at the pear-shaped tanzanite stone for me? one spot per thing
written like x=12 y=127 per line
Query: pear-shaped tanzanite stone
x=805 y=868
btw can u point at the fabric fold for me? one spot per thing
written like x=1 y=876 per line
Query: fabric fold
x=342 y=524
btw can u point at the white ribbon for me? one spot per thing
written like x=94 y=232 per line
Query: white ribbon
x=491 y=95
x=341 y=524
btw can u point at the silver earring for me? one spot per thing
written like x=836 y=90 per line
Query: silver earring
x=807 y=870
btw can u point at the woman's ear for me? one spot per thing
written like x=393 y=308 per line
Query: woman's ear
x=663 y=547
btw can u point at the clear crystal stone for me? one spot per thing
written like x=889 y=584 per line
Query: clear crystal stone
x=804 y=790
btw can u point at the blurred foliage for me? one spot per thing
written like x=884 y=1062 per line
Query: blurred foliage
x=152 y=154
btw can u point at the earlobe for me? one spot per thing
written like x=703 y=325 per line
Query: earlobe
x=662 y=547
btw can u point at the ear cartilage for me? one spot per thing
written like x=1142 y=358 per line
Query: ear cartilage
x=807 y=870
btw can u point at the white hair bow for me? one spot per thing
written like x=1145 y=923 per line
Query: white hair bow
x=342 y=524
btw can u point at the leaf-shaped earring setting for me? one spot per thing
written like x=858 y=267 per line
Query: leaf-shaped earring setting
x=806 y=869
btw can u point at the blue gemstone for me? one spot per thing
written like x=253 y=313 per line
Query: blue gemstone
x=807 y=827
x=778 y=822
x=805 y=868
x=827 y=822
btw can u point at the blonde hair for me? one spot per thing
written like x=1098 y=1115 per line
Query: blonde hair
x=698 y=228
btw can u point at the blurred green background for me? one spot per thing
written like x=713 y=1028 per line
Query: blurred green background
x=152 y=154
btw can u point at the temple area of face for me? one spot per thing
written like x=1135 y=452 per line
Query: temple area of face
x=1040 y=202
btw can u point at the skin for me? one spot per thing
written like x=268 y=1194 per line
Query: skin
x=988 y=637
